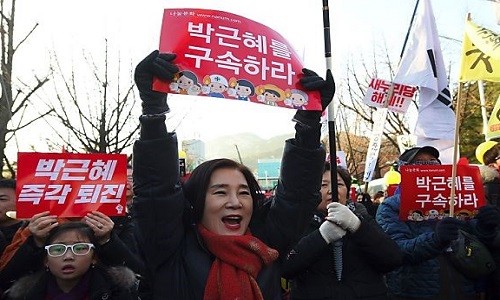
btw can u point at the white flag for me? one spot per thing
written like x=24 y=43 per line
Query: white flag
x=422 y=66
x=497 y=10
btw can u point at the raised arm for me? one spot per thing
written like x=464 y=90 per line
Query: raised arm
x=158 y=202
x=297 y=193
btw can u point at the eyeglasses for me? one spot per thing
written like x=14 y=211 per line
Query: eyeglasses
x=56 y=250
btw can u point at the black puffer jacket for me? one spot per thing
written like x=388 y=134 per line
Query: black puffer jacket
x=176 y=261
x=367 y=254
x=118 y=251
x=105 y=284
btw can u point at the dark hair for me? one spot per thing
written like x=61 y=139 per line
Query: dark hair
x=366 y=197
x=490 y=156
x=80 y=227
x=378 y=195
x=344 y=174
x=275 y=93
x=248 y=84
x=8 y=184
x=416 y=211
x=195 y=188
x=189 y=75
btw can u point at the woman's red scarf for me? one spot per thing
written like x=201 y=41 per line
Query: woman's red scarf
x=238 y=260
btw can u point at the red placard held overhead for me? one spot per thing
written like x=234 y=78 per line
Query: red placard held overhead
x=224 y=55
x=70 y=184
x=425 y=192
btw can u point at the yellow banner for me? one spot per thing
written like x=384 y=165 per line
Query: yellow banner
x=494 y=122
x=477 y=65
x=484 y=39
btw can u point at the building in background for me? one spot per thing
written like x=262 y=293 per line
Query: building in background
x=268 y=172
x=195 y=153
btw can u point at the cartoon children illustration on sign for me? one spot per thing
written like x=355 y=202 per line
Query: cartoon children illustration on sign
x=214 y=85
x=194 y=90
x=432 y=214
x=415 y=215
x=270 y=94
x=185 y=83
x=241 y=89
x=296 y=99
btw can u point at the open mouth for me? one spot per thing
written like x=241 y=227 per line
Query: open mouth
x=232 y=220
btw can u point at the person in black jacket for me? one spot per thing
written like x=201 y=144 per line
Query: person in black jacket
x=8 y=226
x=197 y=238
x=367 y=252
x=490 y=175
x=115 y=245
x=366 y=200
x=72 y=270
x=491 y=185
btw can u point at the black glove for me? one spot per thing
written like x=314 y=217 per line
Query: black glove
x=447 y=230
x=488 y=218
x=158 y=65
x=312 y=82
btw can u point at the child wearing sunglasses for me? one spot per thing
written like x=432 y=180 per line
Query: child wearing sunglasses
x=72 y=270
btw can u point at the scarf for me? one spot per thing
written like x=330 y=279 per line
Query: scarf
x=238 y=261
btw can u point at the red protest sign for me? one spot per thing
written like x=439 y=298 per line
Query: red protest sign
x=71 y=184
x=224 y=55
x=425 y=192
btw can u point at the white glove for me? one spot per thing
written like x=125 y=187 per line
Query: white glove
x=341 y=215
x=331 y=232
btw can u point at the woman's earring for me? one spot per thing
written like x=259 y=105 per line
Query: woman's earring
x=47 y=268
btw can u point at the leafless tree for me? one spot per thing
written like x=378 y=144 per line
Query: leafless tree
x=15 y=102
x=355 y=137
x=95 y=109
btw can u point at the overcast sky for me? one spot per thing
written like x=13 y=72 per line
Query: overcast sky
x=358 y=27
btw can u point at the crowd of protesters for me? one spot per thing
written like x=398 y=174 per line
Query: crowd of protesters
x=213 y=236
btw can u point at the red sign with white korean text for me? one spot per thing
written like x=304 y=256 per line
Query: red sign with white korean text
x=71 y=184
x=224 y=55
x=377 y=93
x=425 y=192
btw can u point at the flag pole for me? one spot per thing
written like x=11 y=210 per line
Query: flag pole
x=455 y=143
x=455 y=150
x=337 y=245
x=379 y=124
x=484 y=114
x=408 y=31
x=330 y=109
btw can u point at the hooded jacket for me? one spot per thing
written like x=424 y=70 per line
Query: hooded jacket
x=105 y=284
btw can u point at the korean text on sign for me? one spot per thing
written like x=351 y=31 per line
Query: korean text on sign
x=425 y=191
x=70 y=184
x=223 y=55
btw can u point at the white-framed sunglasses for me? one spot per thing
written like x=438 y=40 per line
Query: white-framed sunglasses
x=56 y=250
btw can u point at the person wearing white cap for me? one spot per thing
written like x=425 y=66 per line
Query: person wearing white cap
x=218 y=85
